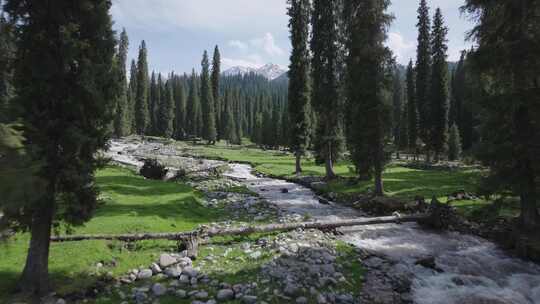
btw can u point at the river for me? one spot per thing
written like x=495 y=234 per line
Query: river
x=471 y=269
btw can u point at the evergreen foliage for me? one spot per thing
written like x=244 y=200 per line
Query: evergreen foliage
x=122 y=119
x=215 y=77
x=454 y=144
x=507 y=56
x=207 y=102
x=423 y=71
x=142 y=114
x=439 y=87
x=66 y=115
x=370 y=79
x=412 y=110
x=299 y=89
x=7 y=51
x=165 y=117
x=397 y=105
x=326 y=99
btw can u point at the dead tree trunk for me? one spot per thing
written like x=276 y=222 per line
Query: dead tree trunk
x=242 y=230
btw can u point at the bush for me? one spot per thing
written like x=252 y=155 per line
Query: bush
x=153 y=170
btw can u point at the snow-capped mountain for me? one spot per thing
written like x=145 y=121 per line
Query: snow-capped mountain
x=269 y=71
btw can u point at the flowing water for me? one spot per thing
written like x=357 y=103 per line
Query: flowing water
x=474 y=271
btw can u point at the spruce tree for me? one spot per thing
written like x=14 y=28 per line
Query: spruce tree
x=397 y=109
x=193 y=107
x=142 y=114
x=454 y=143
x=507 y=55
x=299 y=89
x=369 y=67
x=403 y=143
x=179 y=110
x=154 y=98
x=7 y=52
x=122 y=123
x=66 y=113
x=216 y=75
x=326 y=99
x=207 y=101
x=423 y=73
x=412 y=111
x=439 y=87
x=133 y=95
x=165 y=117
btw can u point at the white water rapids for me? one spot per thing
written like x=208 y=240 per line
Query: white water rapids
x=475 y=271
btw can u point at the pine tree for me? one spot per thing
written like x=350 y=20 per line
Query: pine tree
x=397 y=109
x=165 y=116
x=403 y=143
x=193 y=107
x=154 y=99
x=412 y=111
x=454 y=144
x=507 y=54
x=370 y=80
x=179 y=110
x=132 y=96
x=326 y=99
x=216 y=75
x=207 y=101
x=142 y=114
x=439 y=87
x=122 y=124
x=7 y=51
x=299 y=90
x=423 y=73
x=65 y=122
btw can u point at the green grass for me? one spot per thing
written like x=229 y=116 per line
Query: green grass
x=132 y=204
x=399 y=181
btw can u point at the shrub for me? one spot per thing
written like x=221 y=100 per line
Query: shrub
x=153 y=170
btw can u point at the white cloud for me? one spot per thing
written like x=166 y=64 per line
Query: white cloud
x=238 y=44
x=403 y=50
x=215 y=15
x=268 y=44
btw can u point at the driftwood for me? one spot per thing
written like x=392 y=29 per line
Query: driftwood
x=242 y=230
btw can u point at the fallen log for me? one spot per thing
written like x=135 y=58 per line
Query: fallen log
x=242 y=230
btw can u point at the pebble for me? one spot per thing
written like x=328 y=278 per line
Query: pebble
x=181 y=293
x=158 y=289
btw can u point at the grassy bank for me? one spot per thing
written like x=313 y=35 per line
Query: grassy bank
x=130 y=204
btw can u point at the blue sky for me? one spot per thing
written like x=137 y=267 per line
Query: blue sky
x=249 y=32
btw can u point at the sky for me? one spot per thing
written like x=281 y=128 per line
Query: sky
x=250 y=32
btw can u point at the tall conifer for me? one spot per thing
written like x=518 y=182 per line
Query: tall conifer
x=299 y=90
x=370 y=80
x=207 y=101
x=142 y=115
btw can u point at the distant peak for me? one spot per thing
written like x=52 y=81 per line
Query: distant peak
x=270 y=71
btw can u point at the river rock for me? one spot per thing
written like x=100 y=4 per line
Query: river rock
x=249 y=299
x=155 y=268
x=190 y=271
x=182 y=294
x=144 y=274
x=173 y=271
x=166 y=260
x=158 y=289
x=225 y=295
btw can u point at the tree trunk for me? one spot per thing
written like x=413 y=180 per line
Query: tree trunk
x=529 y=210
x=328 y=163
x=244 y=230
x=379 y=189
x=298 y=170
x=35 y=276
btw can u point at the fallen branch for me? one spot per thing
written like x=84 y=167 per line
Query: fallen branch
x=243 y=230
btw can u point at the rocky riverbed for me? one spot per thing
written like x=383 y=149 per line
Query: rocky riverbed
x=402 y=263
